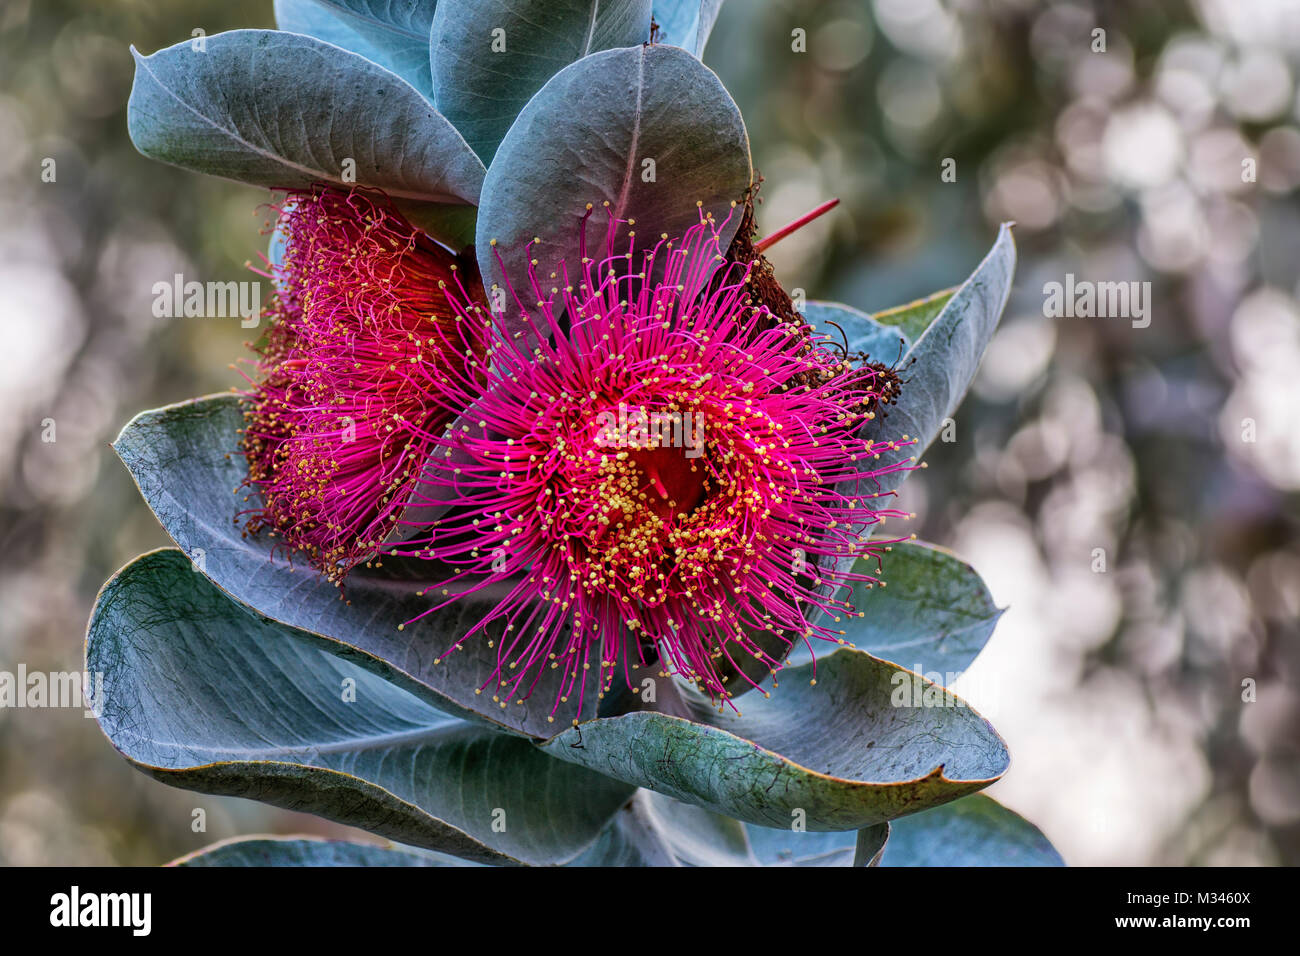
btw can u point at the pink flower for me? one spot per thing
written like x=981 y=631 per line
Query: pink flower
x=663 y=468
x=354 y=373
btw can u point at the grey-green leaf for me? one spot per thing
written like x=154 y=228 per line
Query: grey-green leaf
x=392 y=33
x=310 y=851
x=865 y=745
x=935 y=615
x=491 y=56
x=650 y=130
x=202 y=694
x=972 y=831
x=325 y=21
x=975 y=831
x=944 y=358
x=655 y=830
x=859 y=331
x=280 y=109
x=186 y=462
x=686 y=23
x=790 y=847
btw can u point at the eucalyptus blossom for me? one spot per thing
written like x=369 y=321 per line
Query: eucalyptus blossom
x=547 y=528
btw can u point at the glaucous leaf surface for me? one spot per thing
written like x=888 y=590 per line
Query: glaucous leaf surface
x=975 y=831
x=788 y=847
x=203 y=694
x=310 y=851
x=857 y=330
x=836 y=756
x=972 y=831
x=284 y=110
x=491 y=56
x=650 y=830
x=392 y=33
x=934 y=615
x=649 y=130
x=686 y=23
x=943 y=359
x=655 y=830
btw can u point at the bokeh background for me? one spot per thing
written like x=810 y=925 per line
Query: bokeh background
x=1174 y=449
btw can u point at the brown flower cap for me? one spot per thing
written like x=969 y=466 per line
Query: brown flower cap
x=766 y=291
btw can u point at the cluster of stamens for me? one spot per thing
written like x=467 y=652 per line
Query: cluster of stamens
x=351 y=378
x=674 y=555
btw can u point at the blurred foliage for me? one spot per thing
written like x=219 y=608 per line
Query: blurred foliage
x=1134 y=744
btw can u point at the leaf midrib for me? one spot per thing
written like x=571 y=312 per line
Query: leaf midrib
x=386 y=25
x=419 y=735
x=237 y=137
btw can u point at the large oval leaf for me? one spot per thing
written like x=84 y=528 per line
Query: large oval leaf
x=650 y=130
x=649 y=830
x=204 y=695
x=394 y=35
x=284 y=110
x=942 y=362
x=972 y=831
x=836 y=756
x=686 y=23
x=787 y=847
x=491 y=56
x=310 y=851
x=185 y=461
x=935 y=615
x=976 y=831
x=654 y=830
x=813 y=848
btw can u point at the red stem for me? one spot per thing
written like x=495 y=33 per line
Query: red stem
x=797 y=224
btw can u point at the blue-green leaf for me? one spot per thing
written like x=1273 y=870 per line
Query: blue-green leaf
x=972 y=831
x=311 y=851
x=203 y=694
x=934 y=615
x=650 y=130
x=859 y=748
x=315 y=19
x=789 y=847
x=686 y=23
x=491 y=56
x=392 y=33
x=913 y=318
x=976 y=831
x=284 y=110
x=943 y=360
x=186 y=462
x=654 y=830
x=861 y=332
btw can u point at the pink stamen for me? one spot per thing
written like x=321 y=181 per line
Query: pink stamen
x=361 y=354
x=746 y=534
